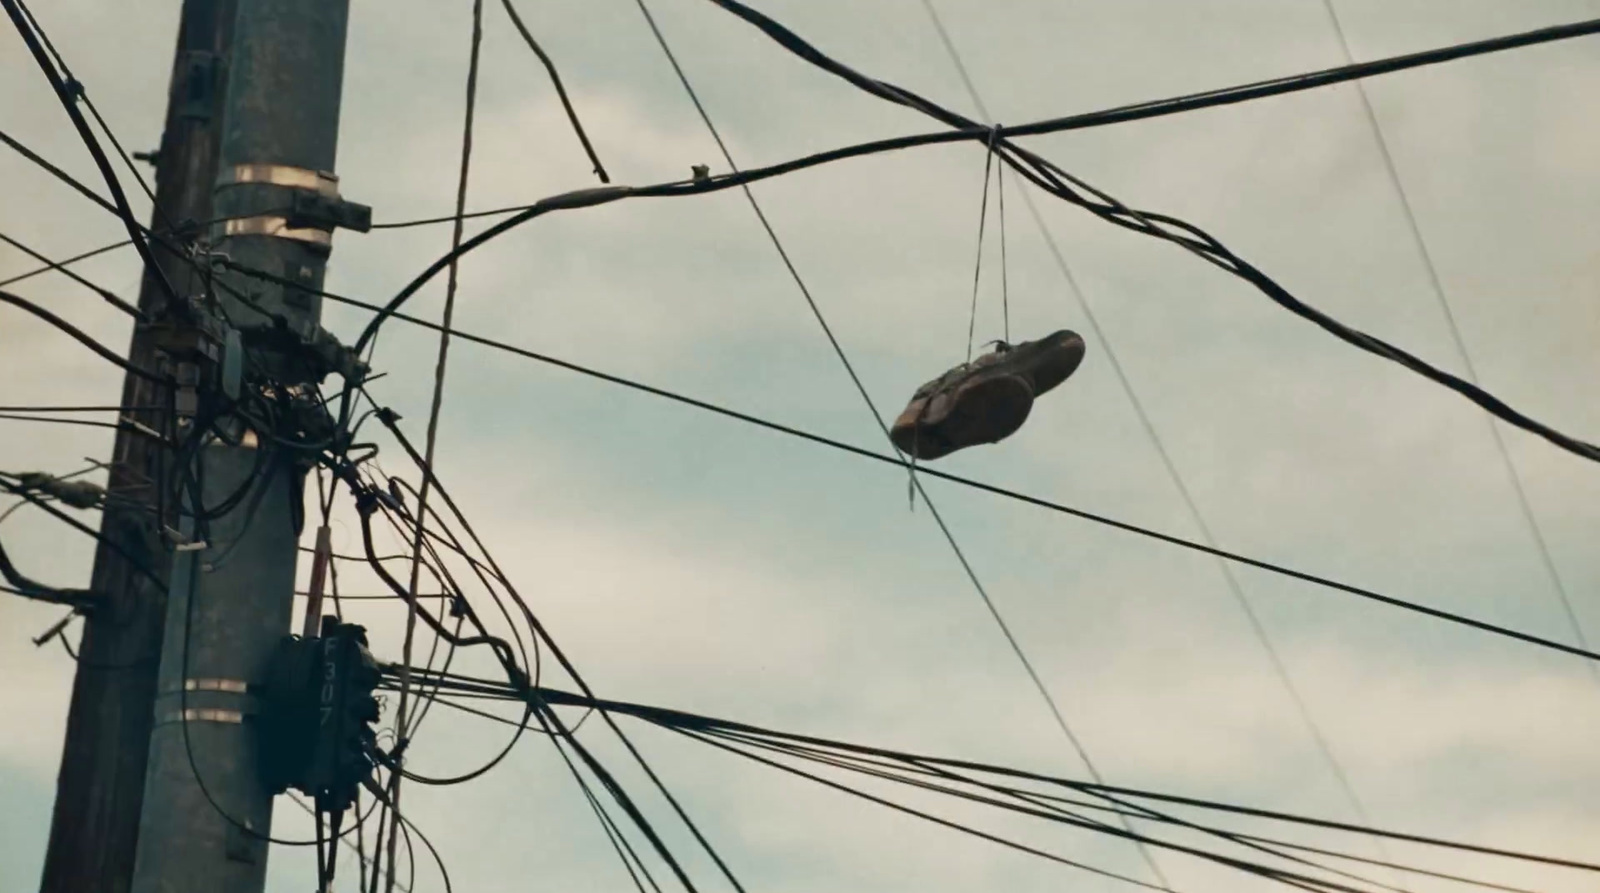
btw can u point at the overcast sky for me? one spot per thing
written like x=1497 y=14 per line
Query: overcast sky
x=690 y=561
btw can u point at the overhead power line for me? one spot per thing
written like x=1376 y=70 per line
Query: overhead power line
x=964 y=130
x=78 y=335
x=62 y=264
x=877 y=418
x=109 y=296
x=1053 y=179
x=1436 y=286
x=1083 y=514
x=1319 y=737
x=68 y=91
x=899 y=765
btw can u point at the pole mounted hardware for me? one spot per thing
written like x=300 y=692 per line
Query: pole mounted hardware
x=317 y=731
x=311 y=205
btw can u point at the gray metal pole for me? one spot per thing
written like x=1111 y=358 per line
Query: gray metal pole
x=206 y=809
x=95 y=824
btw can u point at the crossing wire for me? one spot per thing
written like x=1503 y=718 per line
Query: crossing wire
x=1258 y=628
x=1436 y=286
x=899 y=462
x=844 y=359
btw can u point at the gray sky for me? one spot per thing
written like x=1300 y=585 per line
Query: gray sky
x=687 y=560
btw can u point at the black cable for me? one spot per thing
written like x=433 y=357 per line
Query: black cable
x=78 y=334
x=465 y=684
x=1319 y=739
x=78 y=90
x=877 y=418
x=1050 y=177
x=1519 y=490
x=1382 y=863
x=483 y=573
x=105 y=293
x=63 y=176
x=455 y=639
x=433 y=654
x=1122 y=114
x=888 y=771
x=1105 y=520
x=322 y=854
x=561 y=91
x=484 y=714
x=926 y=816
x=30 y=588
x=365 y=507
x=619 y=841
x=464 y=777
x=1066 y=817
x=606 y=195
x=63 y=264
x=389 y=421
x=133 y=561
x=68 y=95
x=580 y=199
x=344 y=836
x=1041 y=811
x=1209 y=98
x=411 y=856
x=359 y=558
x=553 y=725
x=681 y=719
x=604 y=776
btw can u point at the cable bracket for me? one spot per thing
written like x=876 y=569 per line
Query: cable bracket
x=279 y=227
x=315 y=206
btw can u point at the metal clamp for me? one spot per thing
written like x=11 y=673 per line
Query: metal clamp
x=313 y=205
x=273 y=225
x=235 y=686
x=204 y=714
x=321 y=182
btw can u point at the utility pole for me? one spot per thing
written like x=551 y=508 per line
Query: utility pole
x=100 y=786
x=207 y=807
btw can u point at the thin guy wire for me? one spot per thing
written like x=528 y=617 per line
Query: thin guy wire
x=844 y=359
x=436 y=405
x=1319 y=738
x=1437 y=285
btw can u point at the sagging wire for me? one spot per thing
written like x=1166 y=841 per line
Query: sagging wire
x=1053 y=179
x=1093 y=517
x=1119 y=800
x=1058 y=182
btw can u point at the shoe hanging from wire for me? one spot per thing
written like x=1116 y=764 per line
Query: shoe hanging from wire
x=985 y=400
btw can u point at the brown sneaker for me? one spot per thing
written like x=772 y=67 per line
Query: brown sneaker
x=987 y=400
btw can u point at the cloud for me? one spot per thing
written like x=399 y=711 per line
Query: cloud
x=692 y=561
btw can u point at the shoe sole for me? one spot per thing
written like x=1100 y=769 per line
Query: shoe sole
x=987 y=411
x=915 y=436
